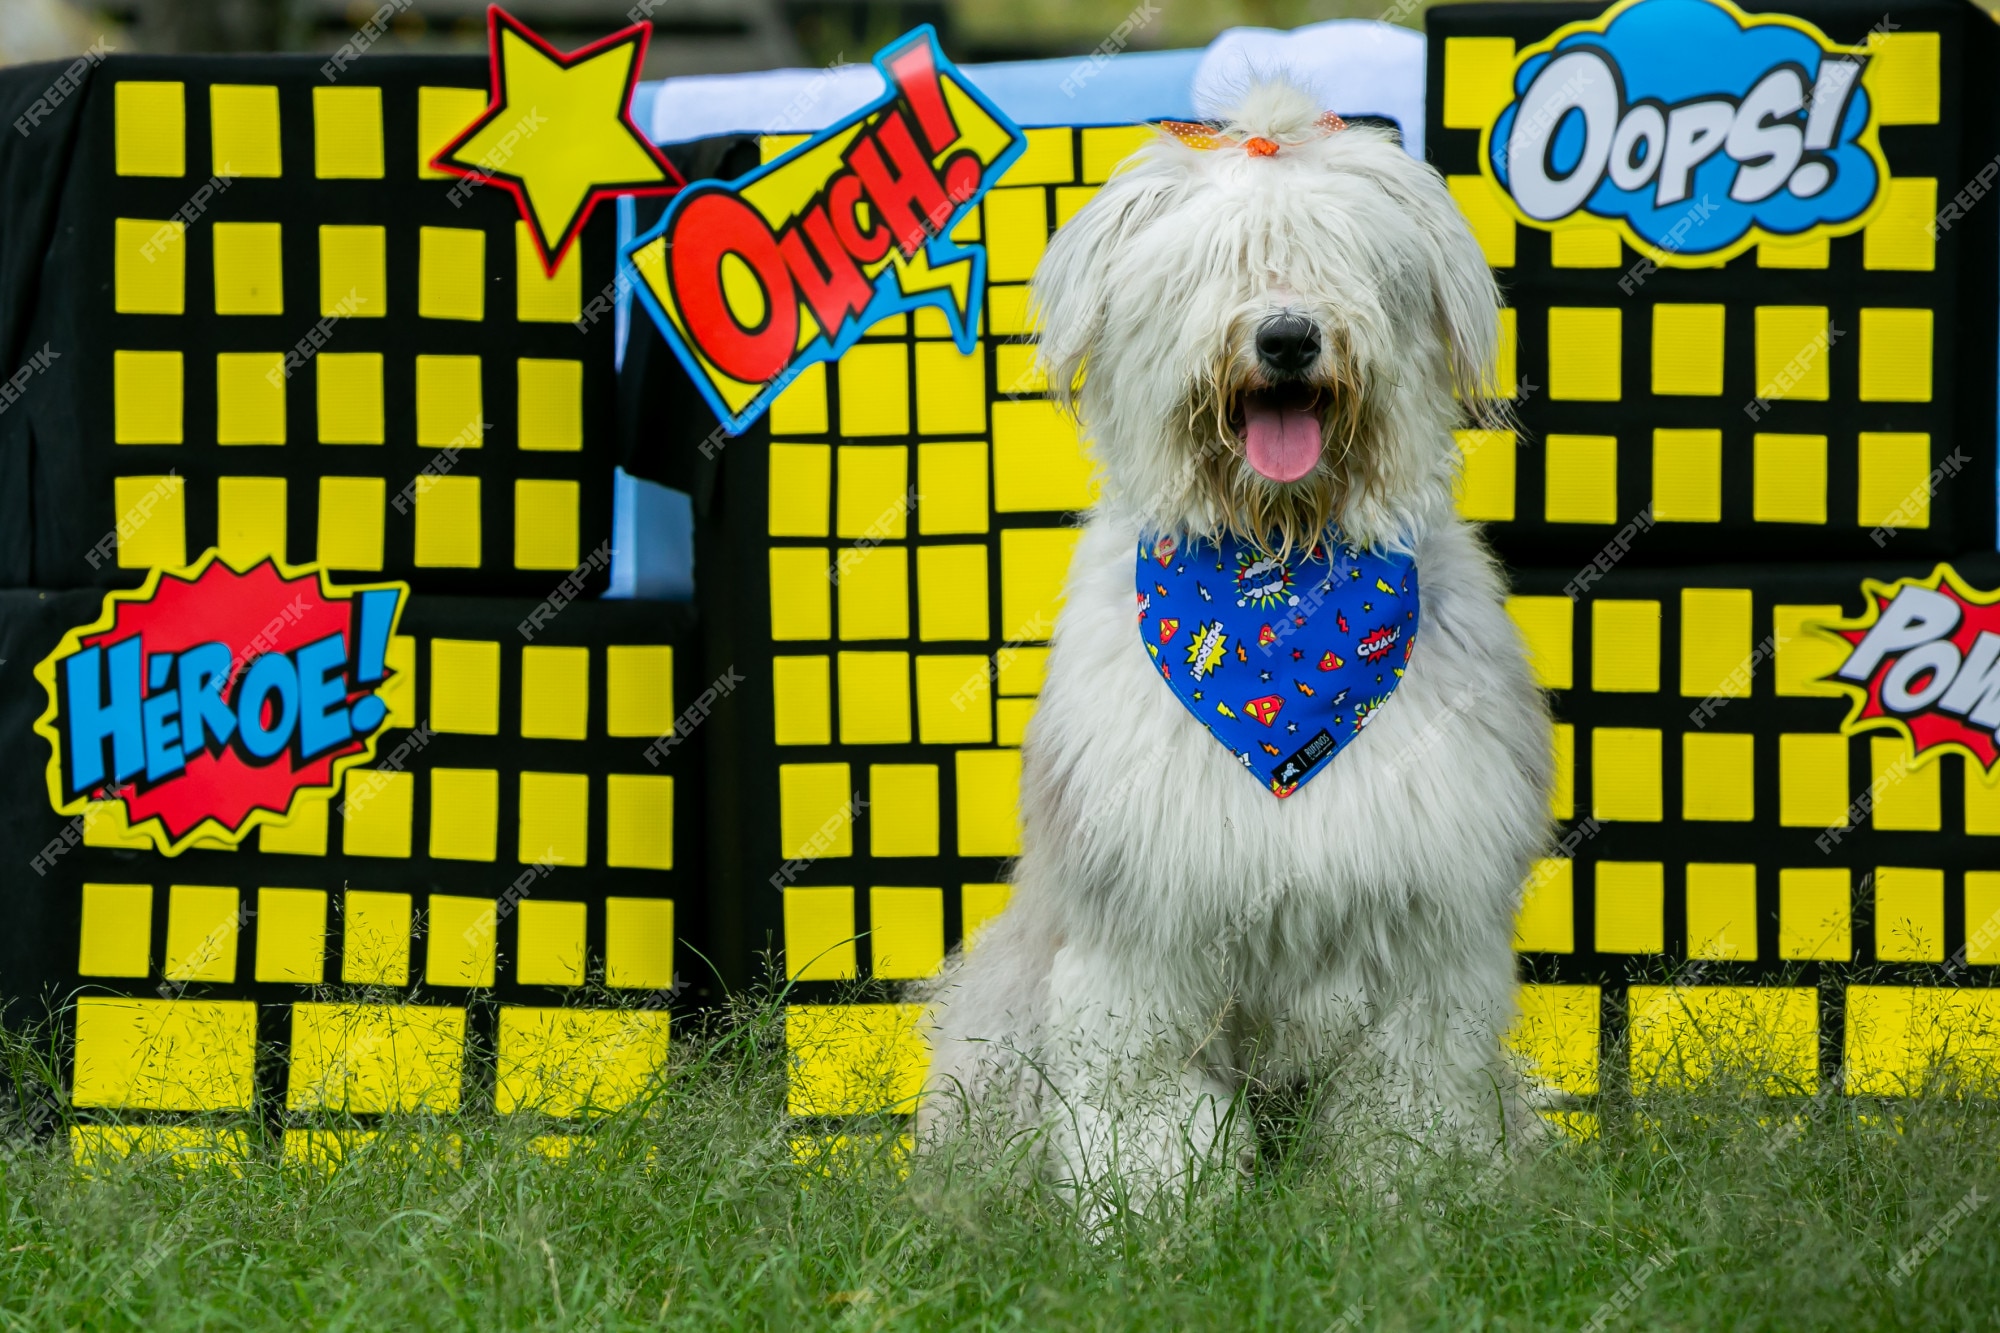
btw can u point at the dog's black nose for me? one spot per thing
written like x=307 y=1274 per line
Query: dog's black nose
x=1287 y=344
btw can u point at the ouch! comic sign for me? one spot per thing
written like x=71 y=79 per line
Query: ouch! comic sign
x=206 y=700
x=754 y=279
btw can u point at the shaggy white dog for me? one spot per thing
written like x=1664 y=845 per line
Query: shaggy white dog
x=1273 y=332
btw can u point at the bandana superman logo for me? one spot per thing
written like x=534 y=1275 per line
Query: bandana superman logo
x=1283 y=660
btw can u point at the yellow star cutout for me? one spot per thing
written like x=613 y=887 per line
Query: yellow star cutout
x=558 y=135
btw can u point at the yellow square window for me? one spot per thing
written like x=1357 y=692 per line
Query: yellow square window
x=951 y=488
x=1792 y=352
x=465 y=686
x=150 y=128
x=250 y=398
x=1104 y=147
x=152 y=522
x=460 y=942
x=304 y=834
x=375 y=945
x=1687 y=476
x=1800 y=658
x=1034 y=564
x=1909 y=915
x=451 y=273
x=952 y=598
x=815 y=811
x=1982 y=800
x=1982 y=917
x=1814 y=914
x=353 y=269
x=639 y=821
x=1585 y=246
x=249 y=519
x=1894 y=485
x=1038 y=460
x=1485 y=489
x=377 y=809
x=875 y=593
x=954 y=700
x=1011 y=718
x=1631 y=903
x=1021 y=670
x=801 y=490
x=545 y=523
x=291 y=936
x=146 y=397
x=450 y=406
x=1722 y=911
x=1718 y=772
x=1486 y=213
x=1906 y=794
x=1047 y=161
x=1505 y=384
x=951 y=389
x=979 y=904
x=1585 y=347
x=350 y=397
x=1625 y=766
x=906 y=932
x=1478 y=80
x=1715 y=643
x=1017 y=231
x=1625 y=646
x=549 y=399
x=989 y=798
x=902 y=810
x=549 y=943
x=872 y=498
x=819 y=934
x=149 y=267
x=347 y=133
x=874 y=698
x=465 y=814
x=442 y=115
x=555 y=819
x=1581 y=482
x=1684 y=1037
x=801 y=408
x=1007 y=309
x=1562 y=791
x=249 y=268
x=1687 y=350
x=1803 y=254
x=555 y=693
x=1812 y=780
x=400 y=691
x=116 y=938
x=166 y=1055
x=1547 y=626
x=801 y=593
x=350 y=522
x=1790 y=479
x=801 y=701
x=1902 y=76
x=539 y=298
x=448 y=526
x=1547 y=920
x=243 y=130
x=1899 y=236
x=1017 y=370
x=875 y=389
x=639 y=943
x=639 y=689
x=1895 y=356
x=1557 y=1035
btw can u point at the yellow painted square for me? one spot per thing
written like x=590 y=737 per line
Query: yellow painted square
x=1487 y=215
x=291 y=936
x=1722 y=911
x=952 y=597
x=1581 y=479
x=801 y=490
x=639 y=689
x=350 y=397
x=350 y=522
x=1982 y=917
x=149 y=267
x=951 y=389
x=353 y=269
x=819 y=934
x=1546 y=922
x=977 y=905
x=400 y=691
x=1718 y=771
x=546 y=519
x=465 y=814
x=572 y=1062
x=243 y=130
x=1017 y=370
x=442 y=115
x=1556 y=1036
x=376 y=812
x=1011 y=717
x=872 y=498
x=362 y=1058
x=1894 y=485
x=1800 y=659
x=555 y=693
x=1792 y=352
x=1906 y=795
x=1902 y=77
x=854 y=1059
x=1899 y=236
x=1790 y=478
x=1021 y=670
x=1585 y=246
x=875 y=389
x=555 y=819
x=1007 y=309
x=1895 y=356
x=249 y=268
x=1803 y=254
x=1631 y=904
x=1814 y=914
x=459 y=946
x=1687 y=476
x=906 y=932
x=304 y=834
x=549 y=942
x=1034 y=564
x=903 y=809
x=1547 y=626
x=929 y=321
x=549 y=401
x=347 y=133
x=1982 y=800
x=448 y=523
x=116 y=938
x=375 y=938
x=1017 y=231
x=1812 y=780
x=874 y=698
x=1504 y=383
x=801 y=593
x=1485 y=489
x=1715 y=643
x=989 y=796
x=146 y=397
x=1070 y=199
x=801 y=408
x=201 y=933
x=951 y=488
x=150 y=127
x=1105 y=146
x=954 y=700
x=639 y=821
x=1909 y=915
x=815 y=811
x=1047 y=160
x=1585 y=346
x=1687 y=349
x=450 y=406
x=1478 y=80
x=1624 y=646
x=539 y=298
x=465 y=686
x=801 y=701
x=639 y=943
x=165 y=1055
x=152 y=522
x=451 y=273
x=1038 y=460
x=1684 y=1037
x=1562 y=790
x=1625 y=768
x=1906 y=1041
x=250 y=398
x=875 y=593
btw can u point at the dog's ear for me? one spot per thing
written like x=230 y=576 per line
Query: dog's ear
x=1468 y=305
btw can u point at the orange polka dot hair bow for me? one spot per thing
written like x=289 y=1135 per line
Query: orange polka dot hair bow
x=1196 y=134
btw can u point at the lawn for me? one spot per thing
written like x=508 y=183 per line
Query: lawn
x=1685 y=1212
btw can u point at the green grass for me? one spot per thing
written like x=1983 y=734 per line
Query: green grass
x=696 y=1215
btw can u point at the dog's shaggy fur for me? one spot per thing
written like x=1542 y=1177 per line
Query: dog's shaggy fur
x=1177 y=934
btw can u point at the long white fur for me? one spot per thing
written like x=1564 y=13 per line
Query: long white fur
x=1175 y=931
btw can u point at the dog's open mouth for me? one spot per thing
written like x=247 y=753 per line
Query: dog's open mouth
x=1280 y=429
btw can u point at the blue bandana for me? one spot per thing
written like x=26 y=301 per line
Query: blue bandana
x=1284 y=661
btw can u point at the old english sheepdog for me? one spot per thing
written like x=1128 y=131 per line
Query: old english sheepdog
x=1269 y=330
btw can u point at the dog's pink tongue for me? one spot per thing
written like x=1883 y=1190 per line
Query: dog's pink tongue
x=1281 y=442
